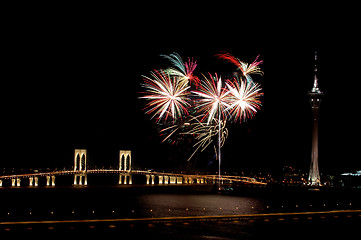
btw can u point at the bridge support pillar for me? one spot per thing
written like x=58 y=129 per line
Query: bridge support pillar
x=83 y=179
x=80 y=166
x=147 y=176
x=18 y=181
x=179 y=180
x=13 y=182
x=1 y=183
x=152 y=178
x=127 y=178
x=53 y=180
x=31 y=181
x=36 y=181
x=75 y=180
x=160 y=179
x=47 y=180
x=166 y=179
x=120 y=179
x=81 y=176
x=172 y=180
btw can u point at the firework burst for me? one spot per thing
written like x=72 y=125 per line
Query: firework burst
x=167 y=96
x=212 y=98
x=245 y=68
x=182 y=70
x=244 y=99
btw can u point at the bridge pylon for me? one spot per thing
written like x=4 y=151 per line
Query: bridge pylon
x=125 y=165
x=80 y=169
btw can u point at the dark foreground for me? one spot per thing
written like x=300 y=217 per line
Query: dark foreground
x=177 y=212
x=316 y=225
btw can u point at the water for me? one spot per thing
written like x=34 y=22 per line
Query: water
x=120 y=202
x=113 y=202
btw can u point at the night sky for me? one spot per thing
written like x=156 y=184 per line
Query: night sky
x=73 y=79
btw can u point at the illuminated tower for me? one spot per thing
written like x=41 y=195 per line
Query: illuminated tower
x=315 y=99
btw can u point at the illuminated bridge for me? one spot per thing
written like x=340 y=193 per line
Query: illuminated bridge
x=125 y=172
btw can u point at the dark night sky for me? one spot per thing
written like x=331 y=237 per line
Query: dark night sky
x=73 y=80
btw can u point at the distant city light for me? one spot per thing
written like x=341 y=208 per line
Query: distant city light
x=357 y=174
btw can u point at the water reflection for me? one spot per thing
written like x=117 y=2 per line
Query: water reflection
x=169 y=205
x=137 y=202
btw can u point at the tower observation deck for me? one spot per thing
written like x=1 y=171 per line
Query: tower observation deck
x=315 y=96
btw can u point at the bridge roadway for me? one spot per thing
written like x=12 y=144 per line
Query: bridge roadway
x=163 y=177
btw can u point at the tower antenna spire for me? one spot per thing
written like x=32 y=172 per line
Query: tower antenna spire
x=315 y=81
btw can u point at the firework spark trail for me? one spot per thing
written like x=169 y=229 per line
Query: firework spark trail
x=245 y=68
x=172 y=132
x=205 y=133
x=244 y=100
x=173 y=129
x=167 y=96
x=181 y=69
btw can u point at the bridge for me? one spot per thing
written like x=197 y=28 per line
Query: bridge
x=125 y=172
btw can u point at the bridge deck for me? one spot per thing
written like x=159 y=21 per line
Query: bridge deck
x=142 y=172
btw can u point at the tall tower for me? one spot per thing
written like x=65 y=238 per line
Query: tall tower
x=315 y=99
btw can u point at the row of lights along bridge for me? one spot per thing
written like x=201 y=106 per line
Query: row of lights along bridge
x=125 y=171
